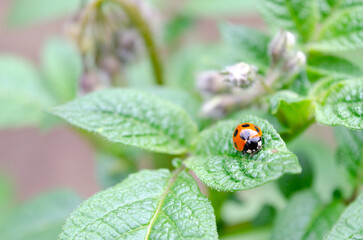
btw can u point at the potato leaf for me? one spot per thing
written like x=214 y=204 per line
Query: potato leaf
x=219 y=165
x=147 y=205
x=342 y=105
x=133 y=118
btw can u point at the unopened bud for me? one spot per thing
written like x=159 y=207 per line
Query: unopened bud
x=240 y=74
x=211 y=82
x=219 y=106
x=281 y=45
x=294 y=64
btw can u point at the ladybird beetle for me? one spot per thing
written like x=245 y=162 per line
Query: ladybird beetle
x=247 y=138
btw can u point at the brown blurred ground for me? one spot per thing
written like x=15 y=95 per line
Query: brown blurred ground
x=40 y=160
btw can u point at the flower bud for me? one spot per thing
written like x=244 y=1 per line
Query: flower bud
x=241 y=74
x=281 y=46
x=295 y=63
x=211 y=82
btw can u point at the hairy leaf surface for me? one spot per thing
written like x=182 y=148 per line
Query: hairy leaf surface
x=320 y=66
x=133 y=118
x=147 y=205
x=219 y=165
x=342 y=31
x=350 y=223
x=296 y=15
x=342 y=105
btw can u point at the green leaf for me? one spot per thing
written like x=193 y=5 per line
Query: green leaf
x=40 y=218
x=350 y=149
x=251 y=234
x=305 y=218
x=321 y=87
x=261 y=114
x=300 y=16
x=349 y=224
x=147 y=205
x=320 y=66
x=342 y=105
x=289 y=184
x=343 y=31
x=323 y=221
x=246 y=206
x=62 y=67
x=219 y=165
x=25 y=12
x=133 y=118
x=217 y=8
x=184 y=64
x=22 y=94
x=177 y=26
x=246 y=44
x=293 y=111
x=328 y=177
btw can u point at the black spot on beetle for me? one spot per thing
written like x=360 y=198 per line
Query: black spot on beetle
x=258 y=130
x=235 y=132
x=245 y=125
x=235 y=144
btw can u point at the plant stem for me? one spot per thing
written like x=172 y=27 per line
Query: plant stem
x=141 y=25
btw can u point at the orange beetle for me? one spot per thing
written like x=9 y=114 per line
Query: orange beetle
x=247 y=138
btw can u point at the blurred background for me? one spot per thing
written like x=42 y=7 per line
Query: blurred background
x=35 y=159
x=39 y=153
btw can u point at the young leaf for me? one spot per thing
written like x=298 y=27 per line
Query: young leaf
x=350 y=149
x=147 y=205
x=62 y=67
x=342 y=32
x=330 y=66
x=349 y=224
x=246 y=44
x=292 y=110
x=40 y=218
x=22 y=94
x=24 y=12
x=219 y=165
x=321 y=87
x=305 y=218
x=133 y=118
x=342 y=105
x=300 y=16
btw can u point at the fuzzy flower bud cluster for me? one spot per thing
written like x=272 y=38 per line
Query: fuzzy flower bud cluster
x=222 y=90
x=108 y=40
x=282 y=51
x=240 y=75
